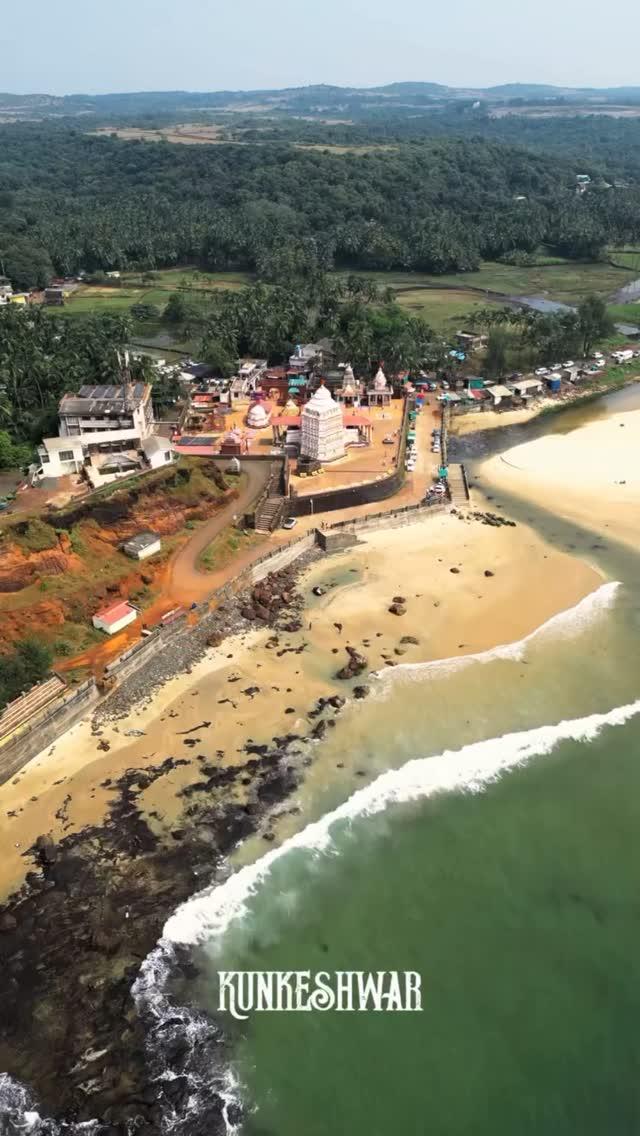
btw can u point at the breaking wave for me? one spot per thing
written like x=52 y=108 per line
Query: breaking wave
x=571 y=620
x=209 y=913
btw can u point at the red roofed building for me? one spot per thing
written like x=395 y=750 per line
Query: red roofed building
x=113 y=618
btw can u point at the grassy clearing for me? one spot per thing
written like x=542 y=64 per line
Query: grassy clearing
x=445 y=309
x=566 y=281
x=626 y=258
x=625 y=313
x=230 y=543
x=90 y=298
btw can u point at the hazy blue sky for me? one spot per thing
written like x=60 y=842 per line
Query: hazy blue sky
x=126 y=45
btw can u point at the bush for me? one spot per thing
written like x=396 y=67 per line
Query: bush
x=34 y=535
x=22 y=668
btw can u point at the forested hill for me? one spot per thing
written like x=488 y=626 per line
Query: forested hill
x=70 y=200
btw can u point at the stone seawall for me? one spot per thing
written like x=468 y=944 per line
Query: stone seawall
x=395 y=519
x=281 y=559
x=45 y=728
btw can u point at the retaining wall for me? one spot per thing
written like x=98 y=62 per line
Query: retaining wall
x=282 y=558
x=44 y=728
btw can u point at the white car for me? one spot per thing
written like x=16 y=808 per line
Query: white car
x=569 y=363
x=290 y=523
x=555 y=367
x=541 y=372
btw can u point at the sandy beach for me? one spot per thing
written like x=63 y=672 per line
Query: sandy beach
x=251 y=688
x=590 y=475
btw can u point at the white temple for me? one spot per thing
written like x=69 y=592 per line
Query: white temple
x=322 y=429
x=379 y=393
x=259 y=416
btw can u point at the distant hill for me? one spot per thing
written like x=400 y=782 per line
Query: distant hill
x=314 y=100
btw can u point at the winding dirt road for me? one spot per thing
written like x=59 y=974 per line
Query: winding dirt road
x=184 y=582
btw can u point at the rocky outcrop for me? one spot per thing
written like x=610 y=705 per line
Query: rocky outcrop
x=355 y=665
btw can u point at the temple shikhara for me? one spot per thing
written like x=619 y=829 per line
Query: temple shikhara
x=321 y=428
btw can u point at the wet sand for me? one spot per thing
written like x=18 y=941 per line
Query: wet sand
x=450 y=613
x=591 y=475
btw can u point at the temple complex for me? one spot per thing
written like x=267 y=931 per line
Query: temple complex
x=321 y=428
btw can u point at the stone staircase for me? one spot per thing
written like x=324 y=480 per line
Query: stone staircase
x=269 y=514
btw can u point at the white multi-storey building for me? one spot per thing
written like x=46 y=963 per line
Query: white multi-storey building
x=105 y=430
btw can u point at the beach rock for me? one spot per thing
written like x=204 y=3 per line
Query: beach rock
x=411 y=640
x=8 y=922
x=318 y=591
x=399 y=651
x=215 y=639
x=399 y=599
x=336 y=701
x=134 y=733
x=456 y=571
x=319 y=730
x=361 y=692
x=356 y=665
x=397 y=609
x=45 y=850
x=488 y=572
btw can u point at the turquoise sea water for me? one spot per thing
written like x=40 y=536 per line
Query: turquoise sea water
x=500 y=860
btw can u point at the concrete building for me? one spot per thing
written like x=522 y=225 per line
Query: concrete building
x=321 y=428
x=157 y=451
x=113 y=618
x=142 y=546
x=102 y=428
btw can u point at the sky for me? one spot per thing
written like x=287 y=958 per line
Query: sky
x=76 y=46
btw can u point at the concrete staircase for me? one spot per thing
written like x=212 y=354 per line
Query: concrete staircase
x=458 y=485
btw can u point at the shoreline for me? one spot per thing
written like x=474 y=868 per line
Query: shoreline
x=147 y=821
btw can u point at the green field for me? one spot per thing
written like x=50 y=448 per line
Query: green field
x=445 y=309
x=566 y=281
x=89 y=298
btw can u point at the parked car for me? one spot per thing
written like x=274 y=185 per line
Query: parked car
x=569 y=363
x=290 y=523
x=542 y=371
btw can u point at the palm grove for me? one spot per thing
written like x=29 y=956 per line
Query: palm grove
x=70 y=200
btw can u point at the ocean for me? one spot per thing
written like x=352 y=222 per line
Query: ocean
x=490 y=846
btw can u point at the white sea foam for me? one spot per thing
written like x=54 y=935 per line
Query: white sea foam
x=571 y=621
x=470 y=769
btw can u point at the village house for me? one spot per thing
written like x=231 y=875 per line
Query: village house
x=469 y=341
x=115 y=617
x=142 y=545
x=54 y=297
x=528 y=388
x=501 y=396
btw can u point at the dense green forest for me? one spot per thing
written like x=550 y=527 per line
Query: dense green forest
x=70 y=201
